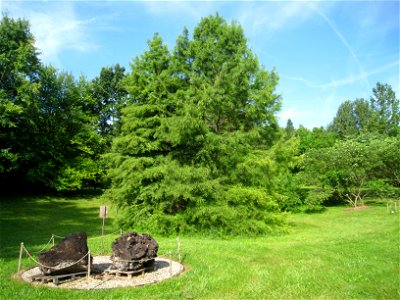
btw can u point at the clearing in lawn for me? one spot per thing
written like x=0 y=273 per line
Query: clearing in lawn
x=336 y=254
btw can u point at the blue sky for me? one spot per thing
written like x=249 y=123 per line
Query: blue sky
x=325 y=52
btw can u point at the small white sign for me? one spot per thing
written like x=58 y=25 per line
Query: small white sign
x=103 y=211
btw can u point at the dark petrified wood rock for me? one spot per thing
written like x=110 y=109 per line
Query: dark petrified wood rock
x=133 y=251
x=61 y=258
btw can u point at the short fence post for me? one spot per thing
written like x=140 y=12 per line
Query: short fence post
x=102 y=234
x=170 y=263
x=21 y=248
x=52 y=239
x=179 y=249
x=88 y=272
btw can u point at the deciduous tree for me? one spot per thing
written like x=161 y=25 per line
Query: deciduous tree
x=19 y=65
x=380 y=115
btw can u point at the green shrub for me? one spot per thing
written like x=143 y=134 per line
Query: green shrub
x=315 y=200
x=239 y=211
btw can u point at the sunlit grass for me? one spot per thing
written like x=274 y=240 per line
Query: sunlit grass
x=337 y=254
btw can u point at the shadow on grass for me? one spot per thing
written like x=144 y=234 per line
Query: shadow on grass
x=33 y=220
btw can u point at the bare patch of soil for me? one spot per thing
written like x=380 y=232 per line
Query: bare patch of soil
x=357 y=208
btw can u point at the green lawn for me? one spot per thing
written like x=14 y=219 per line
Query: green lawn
x=338 y=254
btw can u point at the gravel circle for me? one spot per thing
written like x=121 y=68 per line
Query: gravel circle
x=163 y=269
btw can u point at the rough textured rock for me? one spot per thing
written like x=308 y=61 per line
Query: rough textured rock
x=133 y=251
x=61 y=258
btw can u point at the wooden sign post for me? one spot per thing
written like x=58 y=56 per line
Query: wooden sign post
x=104 y=215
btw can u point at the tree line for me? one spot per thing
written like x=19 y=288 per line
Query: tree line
x=188 y=139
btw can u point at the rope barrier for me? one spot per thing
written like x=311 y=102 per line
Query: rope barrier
x=51 y=240
x=60 y=237
x=45 y=246
x=136 y=260
x=167 y=254
x=111 y=233
x=120 y=231
x=48 y=267
x=28 y=254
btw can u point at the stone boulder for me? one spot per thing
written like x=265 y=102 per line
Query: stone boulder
x=133 y=251
x=66 y=257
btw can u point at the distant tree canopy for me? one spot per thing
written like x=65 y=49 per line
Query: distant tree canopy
x=107 y=99
x=359 y=154
x=19 y=65
x=52 y=127
x=380 y=115
x=289 y=130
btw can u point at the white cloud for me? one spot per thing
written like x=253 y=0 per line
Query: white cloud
x=186 y=9
x=307 y=118
x=293 y=114
x=343 y=81
x=56 y=27
x=268 y=17
x=375 y=20
x=257 y=17
x=311 y=115
x=344 y=41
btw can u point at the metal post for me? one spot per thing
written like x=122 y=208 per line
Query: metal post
x=88 y=272
x=179 y=249
x=21 y=248
x=103 y=214
x=52 y=238
x=170 y=263
x=102 y=234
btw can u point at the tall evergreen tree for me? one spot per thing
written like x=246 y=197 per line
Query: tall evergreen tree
x=386 y=110
x=200 y=117
x=289 y=130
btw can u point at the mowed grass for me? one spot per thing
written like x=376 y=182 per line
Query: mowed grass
x=338 y=254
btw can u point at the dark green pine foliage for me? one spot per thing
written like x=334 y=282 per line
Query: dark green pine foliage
x=193 y=155
x=289 y=129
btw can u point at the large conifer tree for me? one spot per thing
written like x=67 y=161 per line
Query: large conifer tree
x=190 y=156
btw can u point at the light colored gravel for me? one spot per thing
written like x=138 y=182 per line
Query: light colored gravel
x=164 y=269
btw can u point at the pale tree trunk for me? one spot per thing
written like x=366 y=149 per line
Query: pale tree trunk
x=355 y=198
